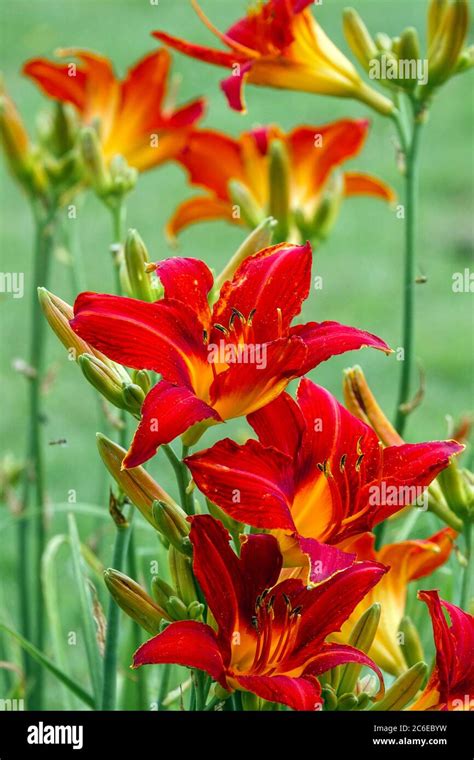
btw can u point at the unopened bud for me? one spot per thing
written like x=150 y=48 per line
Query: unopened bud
x=94 y=162
x=132 y=398
x=176 y=608
x=279 y=184
x=328 y=208
x=136 y=258
x=248 y=208
x=142 y=378
x=436 y=11
x=329 y=698
x=104 y=378
x=261 y=237
x=171 y=522
x=161 y=591
x=409 y=50
x=411 y=644
x=448 y=44
x=134 y=601
x=360 y=401
x=347 y=702
x=182 y=575
x=362 y=637
x=383 y=42
x=403 y=690
x=457 y=491
x=358 y=37
x=195 y=610
x=123 y=177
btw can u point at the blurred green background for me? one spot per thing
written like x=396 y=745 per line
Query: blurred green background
x=361 y=264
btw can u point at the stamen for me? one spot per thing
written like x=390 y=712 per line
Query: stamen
x=251 y=316
x=280 y=322
x=221 y=328
x=342 y=463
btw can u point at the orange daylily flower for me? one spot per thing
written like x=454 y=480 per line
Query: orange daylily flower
x=215 y=161
x=407 y=561
x=131 y=116
x=279 y=44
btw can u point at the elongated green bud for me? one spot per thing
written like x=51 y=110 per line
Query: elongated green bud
x=182 y=575
x=123 y=177
x=136 y=258
x=109 y=382
x=279 y=184
x=94 y=163
x=245 y=205
x=362 y=636
x=410 y=643
x=142 y=378
x=136 y=483
x=177 y=609
x=358 y=37
x=260 y=237
x=436 y=11
x=383 y=42
x=195 y=610
x=459 y=496
x=329 y=207
x=449 y=43
x=172 y=523
x=347 y=702
x=329 y=698
x=161 y=591
x=134 y=601
x=403 y=690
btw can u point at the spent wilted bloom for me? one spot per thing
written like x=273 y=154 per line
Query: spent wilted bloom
x=407 y=561
x=221 y=363
x=131 y=115
x=280 y=44
x=451 y=685
x=269 y=635
x=292 y=176
x=317 y=472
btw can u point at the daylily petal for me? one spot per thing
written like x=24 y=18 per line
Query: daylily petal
x=357 y=183
x=326 y=339
x=323 y=559
x=231 y=585
x=260 y=287
x=201 y=208
x=247 y=385
x=302 y=693
x=160 y=336
x=419 y=557
x=200 y=52
x=187 y=643
x=54 y=80
x=212 y=160
x=251 y=488
x=332 y=655
x=167 y=412
x=313 y=162
x=279 y=424
x=233 y=87
x=188 y=281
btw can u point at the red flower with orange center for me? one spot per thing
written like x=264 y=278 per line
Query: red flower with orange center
x=269 y=636
x=220 y=363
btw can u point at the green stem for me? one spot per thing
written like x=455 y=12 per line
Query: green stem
x=141 y=673
x=182 y=477
x=464 y=602
x=34 y=479
x=109 y=693
x=411 y=202
x=164 y=684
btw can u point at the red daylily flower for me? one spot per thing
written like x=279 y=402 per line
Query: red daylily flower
x=279 y=44
x=220 y=363
x=213 y=160
x=270 y=635
x=451 y=686
x=316 y=472
x=131 y=115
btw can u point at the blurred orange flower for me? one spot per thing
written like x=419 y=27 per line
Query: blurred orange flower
x=234 y=170
x=131 y=115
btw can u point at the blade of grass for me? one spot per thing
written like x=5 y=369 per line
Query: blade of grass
x=51 y=598
x=86 y=604
x=41 y=659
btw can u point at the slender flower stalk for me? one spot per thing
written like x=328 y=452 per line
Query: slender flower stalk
x=468 y=568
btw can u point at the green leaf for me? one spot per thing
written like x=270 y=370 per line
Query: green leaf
x=50 y=666
x=87 y=609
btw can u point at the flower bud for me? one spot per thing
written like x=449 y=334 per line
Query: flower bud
x=134 y=601
x=362 y=636
x=171 y=521
x=132 y=398
x=329 y=698
x=136 y=258
x=195 y=610
x=457 y=491
x=436 y=11
x=23 y=161
x=123 y=177
x=177 y=609
x=261 y=237
x=403 y=690
x=411 y=646
x=142 y=378
x=448 y=43
x=409 y=50
x=94 y=162
x=358 y=38
x=109 y=382
x=182 y=575
x=328 y=208
x=161 y=591
x=363 y=701
x=248 y=208
x=279 y=184
x=347 y=702
x=383 y=42
x=360 y=401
